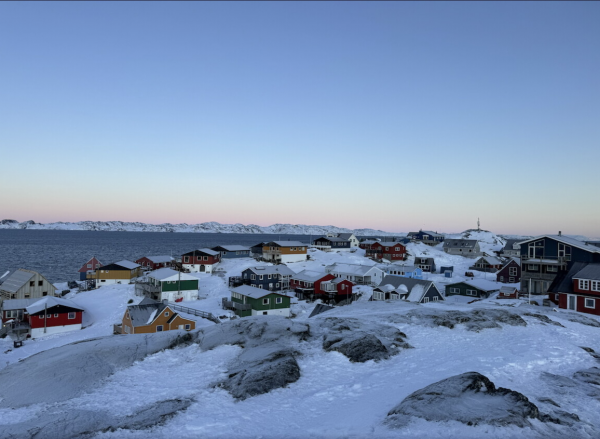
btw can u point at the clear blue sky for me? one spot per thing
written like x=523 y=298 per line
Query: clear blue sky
x=390 y=115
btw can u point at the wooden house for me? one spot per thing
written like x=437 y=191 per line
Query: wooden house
x=201 y=261
x=26 y=284
x=256 y=251
x=89 y=268
x=426 y=237
x=357 y=274
x=389 y=250
x=404 y=270
x=511 y=249
x=250 y=301
x=284 y=251
x=232 y=251
x=487 y=264
x=544 y=256
x=333 y=290
x=425 y=263
x=168 y=284
x=53 y=315
x=479 y=288
x=577 y=288
x=507 y=292
x=349 y=237
x=150 y=316
x=403 y=288
x=366 y=244
x=468 y=248
x=268 y=277
x=16 y=309
x=303 y=283
x=122 y=272
x=155 y=262
x=510 y=272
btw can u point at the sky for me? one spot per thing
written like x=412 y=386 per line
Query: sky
x=387 y=115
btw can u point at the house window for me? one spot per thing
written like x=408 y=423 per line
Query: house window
x=512 y=271
x=260 y=286
x=551 y=268
x=471 y=292
x=277 y=285
x=205 y=258
x=425 y=299
x=253 y=277
x=595 y=285
x=159 y=328
x=265 y=313
x=89 y=265
x=268 y=276
x=266 y=301
x=55 y=315
x=454 y=290
x=32 y=283
x=434 y=298
x=127 y=330
x=279 y=300
x=167 y=314
x=260 y=277
x=511 y=280
x=187 y=327
x=41 y=316
x=584 y=284
x=590 y=303
x=501 y=278
x=186 y=259
x=532 y=267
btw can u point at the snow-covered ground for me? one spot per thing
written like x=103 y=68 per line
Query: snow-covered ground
x=333 y=397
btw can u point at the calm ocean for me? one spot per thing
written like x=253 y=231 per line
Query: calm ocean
x=58 y=254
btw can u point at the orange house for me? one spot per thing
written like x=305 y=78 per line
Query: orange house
x=150 y=316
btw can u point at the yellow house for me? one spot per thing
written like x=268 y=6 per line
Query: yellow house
x=150 y=316
x=285 y=251
x=116 y=273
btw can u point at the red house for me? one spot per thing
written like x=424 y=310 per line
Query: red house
x=52 y=315
x=392 y=251
x=201 y=260
x=310 y=284
x=155 y=262
x=89 y=267
x=333 y=290
x=577 y=288
x=510 y=272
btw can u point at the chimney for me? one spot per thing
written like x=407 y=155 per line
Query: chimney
x=559 y=233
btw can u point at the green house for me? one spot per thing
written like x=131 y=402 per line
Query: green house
x=250 y=301
x=168 y=284
x=472 y=288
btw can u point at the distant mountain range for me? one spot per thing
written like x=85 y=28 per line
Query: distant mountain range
x=210 y=227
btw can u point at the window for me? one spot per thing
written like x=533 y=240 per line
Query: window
x=454 y=290
x=205 y=258
x=277 y=285
x=279 y=300
x=89 y=265
x=501 y=278
x=253 y=277
x=265 y=313
x=127 y=330
x=32 y=283
x=511 y=280
x=425 y=299
x=590 y=303
x=434 y=298
x=584 y=284
x=551 y=269
x=186 y=259
x=266 y=301
x=41 y=316
x=268 y=276
x=187 y=327
x=48 y=316
x=595 y=285
x=471 y=292
x=260 y=286
x=512 y=271
x=159 y=328
x=532 y=267
x=260 y=277
x=167 y=314
x=55 y=315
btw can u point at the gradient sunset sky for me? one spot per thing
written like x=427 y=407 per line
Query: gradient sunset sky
x=389 y=115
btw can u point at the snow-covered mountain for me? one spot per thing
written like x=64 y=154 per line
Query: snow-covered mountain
x=209 y=227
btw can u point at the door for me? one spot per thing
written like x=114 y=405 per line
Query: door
x=572 y=302
x=202 y=268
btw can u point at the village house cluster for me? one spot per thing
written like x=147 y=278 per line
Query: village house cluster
x=566 y=269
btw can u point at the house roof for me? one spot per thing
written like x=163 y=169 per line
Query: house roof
x=507 y=290
x=429 y=261
x=426 y=232
x=566 y=240
x=232 y=248
x=510 y=242
x=309 y=275
x=491 y=260
x=205 y=251
x=144 y=313
x=255 y=293
x=159 y=259
x=415 y=287
x=405 y=268
x=125 y=264
x=345 y=236
x=286 y=243
x=168 y=273
x=460 y=243
x=563 y=282
x=352 y=269
x=334 y=239
x=390 y=243
x=95 y=263
x=49 y=302
x=16 y=280
x=272 y=269
x=481 y=284
x=11 y=304
x=591 y=271
x=515 y=260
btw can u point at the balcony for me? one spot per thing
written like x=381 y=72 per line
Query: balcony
x=147 y=289
x=327 y=287
x=230 y=304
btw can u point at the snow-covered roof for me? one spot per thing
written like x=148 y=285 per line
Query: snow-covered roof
x=140 y=314
x=160 y=259
x=345 y=236
x=591 y=271
x=309 y=275
x=482 y=284
x=272 y=269
x=16 y=280
x=332 y=239
x=127 y=264
x=507 y=290
x=166 y=273
x=351 y=269
x=416 y=293
x=95 y=263
x=390 y=243
x=566 y=240
x=510 y=244
x=460 y=243
x=208 y=251
x=491 y=260
x=49 y=302
x=11 y=304
x=233 y=248
x=255 y=293
x=287 y=243
x=398 y=267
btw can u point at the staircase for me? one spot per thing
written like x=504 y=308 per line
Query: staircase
x=194 y=312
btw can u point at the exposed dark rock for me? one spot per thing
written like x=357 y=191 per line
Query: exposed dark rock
x=578 y=318
x=549 y=401
x=544 y=319
x=476 y=320
x=256 y=374
x=358 y=348
x=589 y=376
x=470 y=398
x=592 y=352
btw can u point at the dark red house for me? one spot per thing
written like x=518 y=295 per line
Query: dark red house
x=201 y=260
x=89 y=267
x=155 y=262
x=577 y=288
x=392 y=251
x=510 y=273
x=53 y=315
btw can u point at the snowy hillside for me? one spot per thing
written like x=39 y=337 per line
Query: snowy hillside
x=209 y=227
x=370 y=369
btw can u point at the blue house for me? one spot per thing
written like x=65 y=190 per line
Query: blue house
x=256 y=251
x=447 y=271
x=408 y=271
x=232 y=251
x=426 y=237
x=331 y=243
x=272 y=278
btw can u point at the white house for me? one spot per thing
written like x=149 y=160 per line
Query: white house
x=358 y=274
